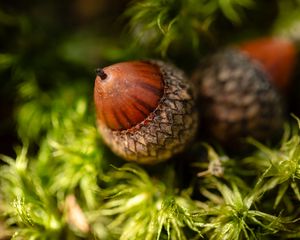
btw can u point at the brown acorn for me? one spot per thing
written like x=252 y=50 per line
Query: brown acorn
x=145 y=110
x=276 y=55
x=237 y=94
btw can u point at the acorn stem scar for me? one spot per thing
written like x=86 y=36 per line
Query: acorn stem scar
x=100 y=72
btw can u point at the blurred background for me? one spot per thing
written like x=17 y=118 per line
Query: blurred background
x=52 y=43
x=53 y=46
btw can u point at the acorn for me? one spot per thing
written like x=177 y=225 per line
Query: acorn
x=240 y=91
x=277 y=57
x=145 y=110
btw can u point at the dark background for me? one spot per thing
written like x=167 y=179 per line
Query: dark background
x=55 y=40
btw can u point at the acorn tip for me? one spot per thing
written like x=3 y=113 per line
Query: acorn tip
x=100 y=72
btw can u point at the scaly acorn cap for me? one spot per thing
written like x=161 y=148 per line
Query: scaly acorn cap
x=145 y=110
x=237 y=99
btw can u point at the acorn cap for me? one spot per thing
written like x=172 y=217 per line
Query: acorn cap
x=237 y=99
x=145 y=110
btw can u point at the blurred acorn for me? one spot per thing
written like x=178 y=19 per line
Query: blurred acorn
x=145 y=110
x=240 y=90
x=277 y=56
